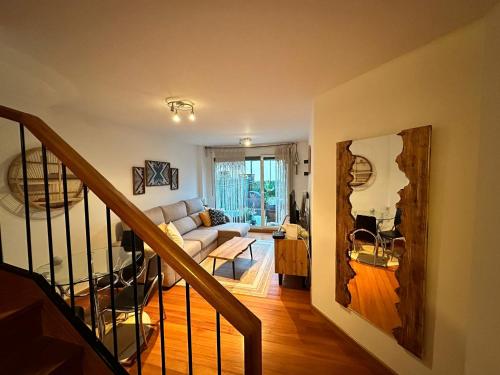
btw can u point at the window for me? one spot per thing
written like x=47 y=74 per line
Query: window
x=252 y=191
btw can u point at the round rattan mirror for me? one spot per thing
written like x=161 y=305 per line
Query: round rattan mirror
x=362 y=172
x=35 y=177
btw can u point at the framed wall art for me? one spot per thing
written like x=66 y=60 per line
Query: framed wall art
x=157 y=173
x=138 y=180
x=174 y=178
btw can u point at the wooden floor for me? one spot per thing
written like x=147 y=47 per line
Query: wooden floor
x=296 y=340
x=373 y=295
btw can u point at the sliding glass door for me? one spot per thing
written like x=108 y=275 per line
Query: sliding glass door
x=252 y=191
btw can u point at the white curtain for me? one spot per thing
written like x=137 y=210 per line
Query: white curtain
x=281 y=190
x=229 y=183
x=284 y=174
x=231 y=188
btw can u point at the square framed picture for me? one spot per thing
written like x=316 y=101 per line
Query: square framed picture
x=157 y=173
x=138 y=180
x=174 y=178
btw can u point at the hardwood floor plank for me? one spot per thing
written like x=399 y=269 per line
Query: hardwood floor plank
x=296 y=339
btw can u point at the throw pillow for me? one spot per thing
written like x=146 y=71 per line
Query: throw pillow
x=173 y=233
x=217 y=217
x=205 y=219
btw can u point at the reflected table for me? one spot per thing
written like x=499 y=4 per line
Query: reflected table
x=99 y=266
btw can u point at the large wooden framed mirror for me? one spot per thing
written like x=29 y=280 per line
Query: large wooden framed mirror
x=382 y=226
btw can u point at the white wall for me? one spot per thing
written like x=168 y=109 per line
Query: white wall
x=438 y=84
x=112 y=149
x=483 y=349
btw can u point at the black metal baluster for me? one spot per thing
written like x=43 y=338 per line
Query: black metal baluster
x=89 y=259
x=1 y=248
x=219 y=362
x=136 y=307
x=188 y=317
x=68 y=238
x=47 y=212
x=26 y=198
x=111 y=282
x=160 y=302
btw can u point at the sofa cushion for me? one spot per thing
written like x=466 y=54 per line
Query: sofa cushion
x=184 y=225
x=196 y=218
x=174 y=212
x=192 y=247
x=205 y=236
x=154 y=214
x=217 y=216
x=239 y=229
x=205 y=219
x=194 y=205
x=173 y=233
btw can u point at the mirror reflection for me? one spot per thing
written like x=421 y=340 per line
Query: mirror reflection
x=376 y=243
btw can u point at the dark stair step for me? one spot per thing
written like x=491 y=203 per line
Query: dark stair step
x=20 y=324
x=43 y=356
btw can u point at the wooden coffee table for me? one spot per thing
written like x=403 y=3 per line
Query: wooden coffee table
x=231 y=249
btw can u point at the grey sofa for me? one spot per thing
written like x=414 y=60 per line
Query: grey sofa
x=199 y=240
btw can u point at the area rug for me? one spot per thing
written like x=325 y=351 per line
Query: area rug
x=253 y=277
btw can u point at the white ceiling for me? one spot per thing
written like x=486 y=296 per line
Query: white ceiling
x=252 y=67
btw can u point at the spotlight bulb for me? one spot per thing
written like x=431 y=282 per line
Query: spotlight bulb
x=176 y=117
x=192 y=117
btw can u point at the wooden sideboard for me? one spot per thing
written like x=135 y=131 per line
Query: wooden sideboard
x=290 y=258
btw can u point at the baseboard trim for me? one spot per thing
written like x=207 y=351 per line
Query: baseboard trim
x=342 y=333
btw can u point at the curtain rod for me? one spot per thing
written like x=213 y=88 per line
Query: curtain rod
x=253 y=146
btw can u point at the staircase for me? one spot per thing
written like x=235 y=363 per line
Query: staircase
x=40 y=332
x=38 y=336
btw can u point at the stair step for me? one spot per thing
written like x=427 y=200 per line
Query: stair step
x=43 y=356
x=18 y=324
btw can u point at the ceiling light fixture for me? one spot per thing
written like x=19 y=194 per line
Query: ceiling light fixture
x=247 y=141
x=178 y=106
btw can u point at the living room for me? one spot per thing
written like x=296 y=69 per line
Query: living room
x=192 y=110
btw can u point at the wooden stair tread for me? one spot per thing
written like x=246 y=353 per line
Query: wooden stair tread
x=47 y=356
x=12 y=312
x=20 y=323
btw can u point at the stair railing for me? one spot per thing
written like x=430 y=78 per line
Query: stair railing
x=209 y=288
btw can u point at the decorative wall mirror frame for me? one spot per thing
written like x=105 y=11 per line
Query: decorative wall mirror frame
x=35 y=179
x=414 y=162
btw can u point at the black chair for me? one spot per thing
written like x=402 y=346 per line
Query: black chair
x=393 y=235
x=365 y=232
x=124 y=300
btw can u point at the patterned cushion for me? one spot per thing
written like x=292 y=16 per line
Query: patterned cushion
x=217 y=217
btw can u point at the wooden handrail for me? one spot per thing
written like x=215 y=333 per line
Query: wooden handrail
x=209 y=288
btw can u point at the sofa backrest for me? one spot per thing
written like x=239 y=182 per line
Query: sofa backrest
x=194 y=205
x=173 y=212
x=155 y=214
x=184 y=215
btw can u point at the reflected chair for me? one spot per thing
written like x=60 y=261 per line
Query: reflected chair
x=124 y=300
x=365 y=232
x=393 y=235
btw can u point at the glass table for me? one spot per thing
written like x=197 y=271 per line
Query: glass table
x=100 y=268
